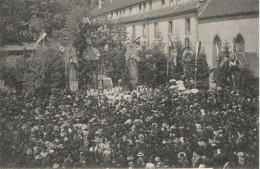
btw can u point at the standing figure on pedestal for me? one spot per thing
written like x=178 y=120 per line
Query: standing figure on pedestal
x=71 y=64
x=132 y=59
x=188 y=60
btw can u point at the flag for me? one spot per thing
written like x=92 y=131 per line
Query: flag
x=40 y=38
x=137 y=40
x=172 y=55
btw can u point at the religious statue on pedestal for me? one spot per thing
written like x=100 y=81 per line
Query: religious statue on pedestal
x=132 y=59
x=71 y=65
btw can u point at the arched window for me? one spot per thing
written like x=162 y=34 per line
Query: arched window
x=216 y=51
x=240 y=43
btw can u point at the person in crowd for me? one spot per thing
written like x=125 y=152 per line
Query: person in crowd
x=163 y=127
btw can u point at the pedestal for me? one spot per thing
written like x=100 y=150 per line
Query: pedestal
x=74 y=86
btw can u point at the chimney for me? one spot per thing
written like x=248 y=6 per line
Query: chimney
x=99 y=4
x=111 y=1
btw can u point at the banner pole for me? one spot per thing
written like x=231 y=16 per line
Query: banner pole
x=196 y=59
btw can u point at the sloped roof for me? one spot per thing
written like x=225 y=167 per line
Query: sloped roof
x=115 y=5
x=219 y=8
x=173 y=10
x=9 y=48
x=250 y=59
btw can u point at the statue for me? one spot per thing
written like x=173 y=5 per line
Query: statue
x=71 y=65
x=90 y=53
x=188 y=56
x=132 y=59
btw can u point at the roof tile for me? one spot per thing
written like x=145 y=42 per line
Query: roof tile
x=173 y=10
x=115 y=5
x=219 y=8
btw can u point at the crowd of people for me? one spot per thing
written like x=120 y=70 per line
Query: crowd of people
x=165 y=127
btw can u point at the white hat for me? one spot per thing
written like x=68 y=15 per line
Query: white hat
x=240 y=154
x=129 y=121
x=157 y=159
x=198 y=126
x=182 y=153
x=187 y=92
x=201 y=143
x=179 y=82
x=202 y=166
x=55 y=165
x=172 y=81
x=51 y=151
x=140 y=154
x=173 y=87
x=181 y=88
x=194 y=91
x=37 y=157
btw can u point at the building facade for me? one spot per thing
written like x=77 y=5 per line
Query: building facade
x=148 y=18
x=212 y=22
x=233 y=22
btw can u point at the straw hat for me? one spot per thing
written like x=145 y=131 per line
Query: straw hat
x=179 y=82
x=201 y=143
x=157 y=159
x=172 y=81
x=29 y=151
x=173 y=87
x=55 y=165
x=194 y=91
x=51 y=151
x=182 y=154
x=140 y=154
x=181 y=88
x=240 y=154
x=38 y=157
x=129 y=158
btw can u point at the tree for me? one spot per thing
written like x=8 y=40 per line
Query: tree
x=43 y=71
x=153 y=65
x=23 y=20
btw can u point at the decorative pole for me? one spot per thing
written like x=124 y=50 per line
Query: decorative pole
x=196 y=59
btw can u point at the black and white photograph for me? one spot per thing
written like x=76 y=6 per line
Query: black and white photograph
x=129 y=84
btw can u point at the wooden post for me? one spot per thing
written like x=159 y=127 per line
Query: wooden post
x=196 y=59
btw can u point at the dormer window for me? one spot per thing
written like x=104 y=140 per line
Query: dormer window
x=116 y=13
x=144 y=6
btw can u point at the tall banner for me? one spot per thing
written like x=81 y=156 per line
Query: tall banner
x=42 y=36
x=71 y=63
x=132 y=59
x=188 y=58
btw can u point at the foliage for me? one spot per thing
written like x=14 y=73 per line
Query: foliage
x=153 y=64
x=35 y=75
x=11 y=76
x=23 y=20
x=239 y=78
x=245 y=82
x=108 y=39
x=43 y=71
